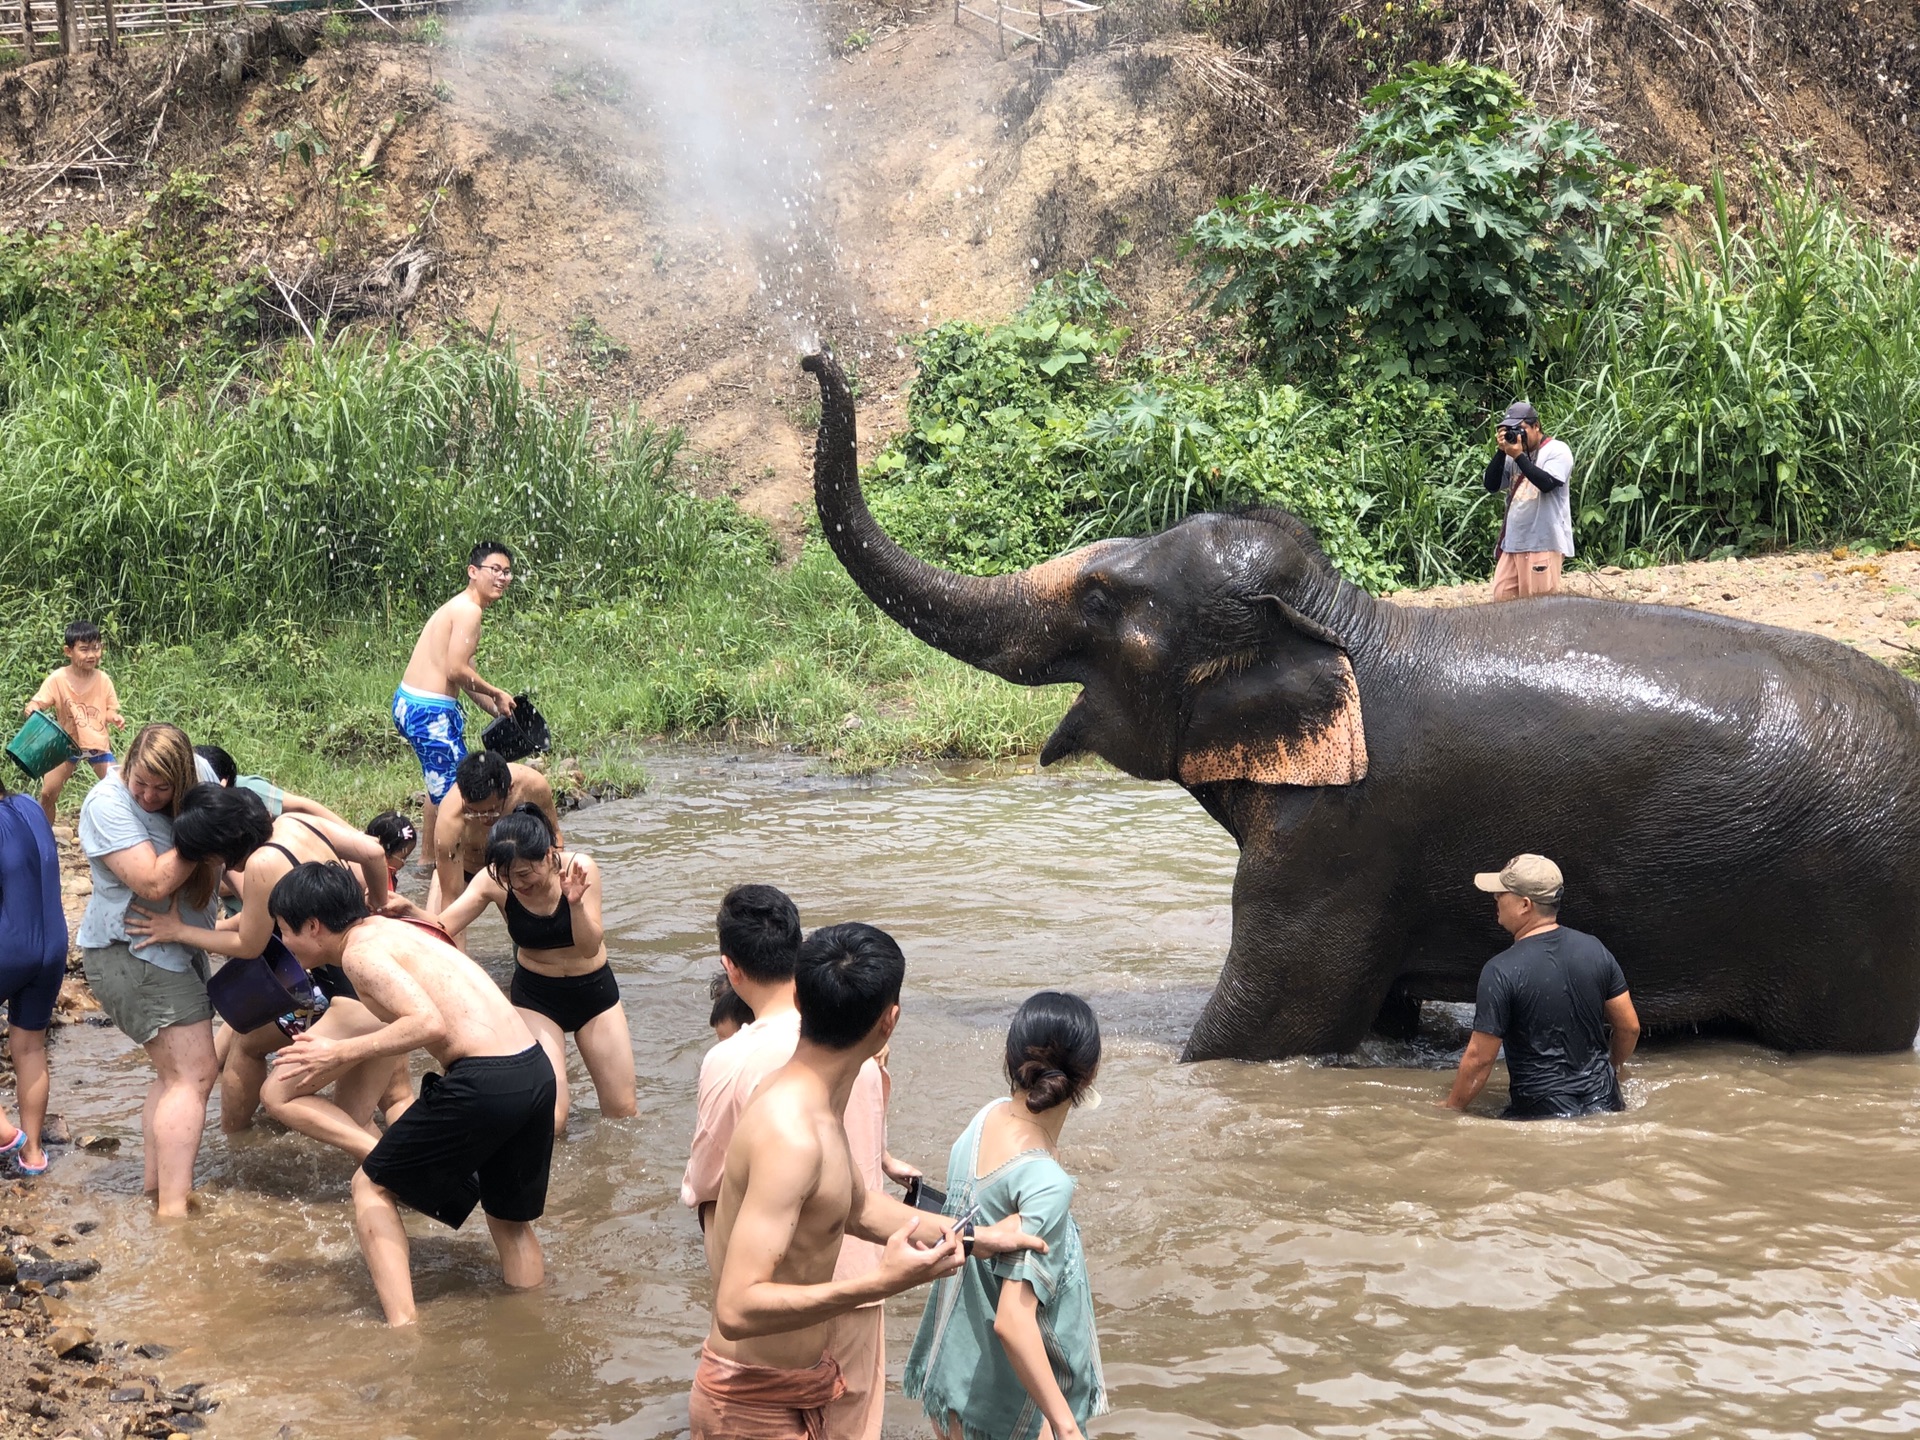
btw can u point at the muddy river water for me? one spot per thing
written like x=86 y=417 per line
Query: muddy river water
x=1276 y=1250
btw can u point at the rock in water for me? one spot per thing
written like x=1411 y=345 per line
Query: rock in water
x=69 y=1338
x=49 y=1272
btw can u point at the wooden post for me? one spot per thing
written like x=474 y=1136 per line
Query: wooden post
x=26 y=28
x=1000 y=25
x=113 y=30
x=63 y=23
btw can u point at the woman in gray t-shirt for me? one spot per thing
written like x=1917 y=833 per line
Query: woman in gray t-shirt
x=155 y=993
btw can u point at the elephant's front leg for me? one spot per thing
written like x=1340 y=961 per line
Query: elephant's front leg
x=1313 y=958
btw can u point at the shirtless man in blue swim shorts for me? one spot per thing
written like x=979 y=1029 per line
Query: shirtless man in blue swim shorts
x=426 y=707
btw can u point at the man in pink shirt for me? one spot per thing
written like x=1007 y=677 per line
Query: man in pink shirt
x=759 y=942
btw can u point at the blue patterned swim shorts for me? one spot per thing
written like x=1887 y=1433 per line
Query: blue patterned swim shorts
x=434 y=727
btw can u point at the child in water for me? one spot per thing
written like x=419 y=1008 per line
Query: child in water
x=730 y=1014
x=397 y=838
x=84 y=703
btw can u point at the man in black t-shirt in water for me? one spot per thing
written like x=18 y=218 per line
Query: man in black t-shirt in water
x=1550 y=997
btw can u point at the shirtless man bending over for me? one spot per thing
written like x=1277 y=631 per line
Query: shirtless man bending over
x=485 y=787
x=426 y=707
x=792 y=1191
x=481 y=1133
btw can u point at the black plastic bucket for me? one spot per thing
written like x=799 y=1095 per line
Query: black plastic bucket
x=255 y=992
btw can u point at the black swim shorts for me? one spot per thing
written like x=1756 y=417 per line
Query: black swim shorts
x=480 y=1134
x=570 y=1001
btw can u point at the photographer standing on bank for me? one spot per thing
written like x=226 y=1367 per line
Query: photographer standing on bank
x=1536 y=536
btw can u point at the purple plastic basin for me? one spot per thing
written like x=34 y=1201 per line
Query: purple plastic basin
x=255 y=992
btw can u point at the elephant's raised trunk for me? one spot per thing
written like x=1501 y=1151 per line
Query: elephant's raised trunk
x=987 y=622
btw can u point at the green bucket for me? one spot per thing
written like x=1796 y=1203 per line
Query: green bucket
x=40 y=745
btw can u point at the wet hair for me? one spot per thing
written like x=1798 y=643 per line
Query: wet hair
x=727 y=1004
x=220 y=823
x=483 y=775
x=759 y=930
x=486 y=549
x=222 y=763
x=81 y=632
x=521 y=834
x=393 y=830
x=319 y=891
x=843 y=982
x=1053 y=1049
x=164 y=751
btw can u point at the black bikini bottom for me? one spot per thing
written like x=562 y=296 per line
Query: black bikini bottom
x=569 y=1001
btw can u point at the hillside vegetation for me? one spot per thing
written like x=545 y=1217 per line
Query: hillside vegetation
x=260 y=506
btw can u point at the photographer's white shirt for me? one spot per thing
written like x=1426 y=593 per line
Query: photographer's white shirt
x=1537 y=522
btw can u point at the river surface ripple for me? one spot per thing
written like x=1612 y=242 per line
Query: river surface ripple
x=1276 y=1250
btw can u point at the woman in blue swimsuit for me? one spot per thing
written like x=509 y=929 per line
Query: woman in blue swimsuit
x=33 y=961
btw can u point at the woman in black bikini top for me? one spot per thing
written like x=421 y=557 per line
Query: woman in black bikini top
x=562 y=984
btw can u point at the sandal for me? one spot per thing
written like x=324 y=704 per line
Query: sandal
x=19 y=1139
x=40 y=1169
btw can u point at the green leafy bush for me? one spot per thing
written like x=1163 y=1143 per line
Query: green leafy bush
x=1028 y=438
x=1460 y=217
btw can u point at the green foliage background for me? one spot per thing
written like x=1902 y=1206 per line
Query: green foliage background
x=1724 y=387
x=262 y=522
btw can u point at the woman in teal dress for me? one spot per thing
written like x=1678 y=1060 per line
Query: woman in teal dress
x=1006 y=1349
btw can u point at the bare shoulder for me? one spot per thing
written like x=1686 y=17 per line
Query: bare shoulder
x=780 y=1119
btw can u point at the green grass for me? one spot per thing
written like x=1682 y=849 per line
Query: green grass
x=793 y=657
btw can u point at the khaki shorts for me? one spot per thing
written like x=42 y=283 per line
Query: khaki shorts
x=1517 y=575
x=143 y=999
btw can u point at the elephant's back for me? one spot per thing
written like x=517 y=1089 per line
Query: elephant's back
x=1740 y=803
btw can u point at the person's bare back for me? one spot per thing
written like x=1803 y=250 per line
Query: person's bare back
x=434 y=661
x=480 y=1134
x=391 y=961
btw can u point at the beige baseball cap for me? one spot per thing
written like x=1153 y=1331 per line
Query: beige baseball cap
x=1532 y=877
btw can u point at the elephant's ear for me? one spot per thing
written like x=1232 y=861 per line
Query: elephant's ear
x=1284 y=714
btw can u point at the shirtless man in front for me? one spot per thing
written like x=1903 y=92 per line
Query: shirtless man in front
x=482 y=1133
x=426 y=707
x=485 y=787
x=792 y=1191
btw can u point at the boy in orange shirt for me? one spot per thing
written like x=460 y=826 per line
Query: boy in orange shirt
x=84 y=703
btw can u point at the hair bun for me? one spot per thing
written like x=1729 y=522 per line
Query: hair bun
x=1046 y=1085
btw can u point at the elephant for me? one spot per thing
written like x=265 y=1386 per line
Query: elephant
x=1736 y=807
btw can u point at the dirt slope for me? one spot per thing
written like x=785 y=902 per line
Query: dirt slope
x=664 y=207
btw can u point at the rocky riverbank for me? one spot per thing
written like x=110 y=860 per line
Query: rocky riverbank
x=57 y=1378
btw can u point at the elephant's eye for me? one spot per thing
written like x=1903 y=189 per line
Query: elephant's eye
x=1098 y=602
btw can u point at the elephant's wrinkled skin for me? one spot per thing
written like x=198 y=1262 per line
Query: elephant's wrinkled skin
x=1736 y=807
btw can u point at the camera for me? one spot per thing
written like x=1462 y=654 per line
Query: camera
x=1513 y=434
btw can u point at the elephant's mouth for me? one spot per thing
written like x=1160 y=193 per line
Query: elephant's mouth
x=1066 y=739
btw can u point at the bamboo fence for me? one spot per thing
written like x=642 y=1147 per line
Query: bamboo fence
x=1002 y=26
x=45 y=27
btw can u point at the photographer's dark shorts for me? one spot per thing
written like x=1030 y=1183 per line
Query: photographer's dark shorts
x=480 y=1134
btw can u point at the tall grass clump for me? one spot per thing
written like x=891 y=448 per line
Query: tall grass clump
x=341 y=480
x=1744 y=385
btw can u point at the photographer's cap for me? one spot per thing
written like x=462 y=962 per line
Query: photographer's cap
x=1532 y=877
x=1520 y=413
